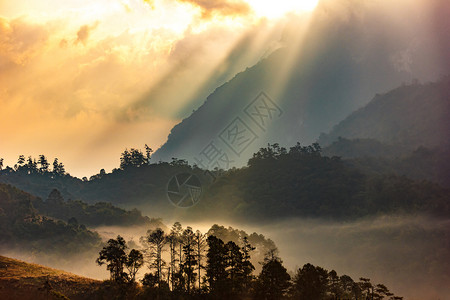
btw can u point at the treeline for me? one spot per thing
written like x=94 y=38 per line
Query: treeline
x=31 y=165
x=98 y=214
x=124 y=185
x=203 y=266
x=129 y=158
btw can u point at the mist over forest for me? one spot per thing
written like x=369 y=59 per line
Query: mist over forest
x=222 y=150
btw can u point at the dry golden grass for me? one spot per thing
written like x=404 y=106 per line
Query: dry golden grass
x=21 y=280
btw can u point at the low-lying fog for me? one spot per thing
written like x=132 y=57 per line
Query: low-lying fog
x=410 y=255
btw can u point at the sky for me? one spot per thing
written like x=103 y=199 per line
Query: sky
x=82 y=80
x=71 y=70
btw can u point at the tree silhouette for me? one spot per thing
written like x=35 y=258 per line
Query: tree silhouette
x=115 y=258
x=44 y=164
x=366 y=287
x=135 y=157
x=134 y=262
x=216 y=273
x=20 y=162
x=58 y=168
x=190 y=259
x=247 y=266
x=176 y=245
x=200 y=246
x=310 y=282
x=274 y=281
x=148 y=153
x=154 y=243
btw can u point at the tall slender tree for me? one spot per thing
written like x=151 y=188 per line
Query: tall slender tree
x=235 y=260
x=154 y=243
x=20 y=162
x=190 y=259
x=247 y=266
x=178 y=232
x=200 y=246
x=148 y=153
x=172 y=240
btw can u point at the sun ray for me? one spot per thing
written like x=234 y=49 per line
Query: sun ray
x=276 y=9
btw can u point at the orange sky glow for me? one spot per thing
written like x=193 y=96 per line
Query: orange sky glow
x=71 y=71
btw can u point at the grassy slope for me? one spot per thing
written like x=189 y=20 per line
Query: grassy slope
x=21 y=280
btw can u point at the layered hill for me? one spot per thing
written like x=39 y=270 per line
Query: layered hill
x=22 y=228
x=407 y=117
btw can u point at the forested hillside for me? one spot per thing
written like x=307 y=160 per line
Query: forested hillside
x=407 y=117
x=277 y=183
x=375 y=158
x=23 y=228
x=280 y=183
x=136 y=182
x=98 y=214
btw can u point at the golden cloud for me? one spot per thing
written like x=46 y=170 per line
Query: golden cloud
x=220 y=7
x=84 y=33
x=20 y=41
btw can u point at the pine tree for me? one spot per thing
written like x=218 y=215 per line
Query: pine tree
x=154 y=243
x=216 y=273
x=273 y=281
x=43 y=162
x=200 y=246
x=190 y=260
x=311 y=282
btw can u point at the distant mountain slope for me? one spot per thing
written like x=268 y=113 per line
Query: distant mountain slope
x=408 y=117
x=26 y=281
x=315 y=81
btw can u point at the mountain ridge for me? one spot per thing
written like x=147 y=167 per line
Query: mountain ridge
x=401 y=117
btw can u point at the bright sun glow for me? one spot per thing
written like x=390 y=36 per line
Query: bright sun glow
x=274 y=9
